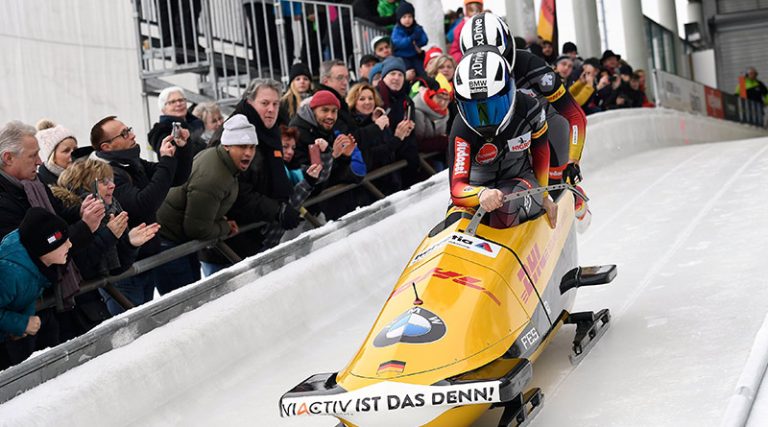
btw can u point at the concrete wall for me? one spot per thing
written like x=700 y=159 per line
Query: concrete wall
x=71 y=61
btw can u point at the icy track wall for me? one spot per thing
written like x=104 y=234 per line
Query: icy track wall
x=303 y=296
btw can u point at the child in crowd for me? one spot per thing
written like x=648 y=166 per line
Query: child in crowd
x=408 y=38
x=382 y=47
x=29 y=260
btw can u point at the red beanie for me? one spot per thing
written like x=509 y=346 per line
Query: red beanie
x=434 y=52
x=323 y=97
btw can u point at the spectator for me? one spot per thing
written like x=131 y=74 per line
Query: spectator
x=382 y=47
x=408 y=38
x=443 y=66
x=548 y=53
x=334 y=78
x=394 y=93
x=366 y=63
x=299 y=89
x=365 y=106
x=375 y=74
x=431 y=54
x=20 y=191
x=752 y=88
x=197 y=209
x=583 y=88
x=56 y=146
x=379 y=12
x=210 y=114
x=114 y=247
x=471 y=8
x=140 y=188
x=264 y=188
x=303 y=178
x=564 y=67
x=28 y=259
x=317 y=120
x=570 y=49
x=610 y=62
x=173 y=108
x=290 y=137
x=431 y=119
x=641 y=78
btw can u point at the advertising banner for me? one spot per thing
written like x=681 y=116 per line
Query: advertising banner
x=714 y=102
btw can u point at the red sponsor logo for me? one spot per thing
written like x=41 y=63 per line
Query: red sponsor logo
x=487 y=154
x=462 y=159
x=461 y=279
x=534 y=264
x=521 y=147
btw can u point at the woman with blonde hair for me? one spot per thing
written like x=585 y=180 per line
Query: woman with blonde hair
x=56 y=146
x=444 y=66
x=114 y=247
x=299 y=89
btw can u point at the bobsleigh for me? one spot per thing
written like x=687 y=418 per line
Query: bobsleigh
x=471 y=312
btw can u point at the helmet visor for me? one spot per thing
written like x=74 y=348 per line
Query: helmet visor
x=489 y=112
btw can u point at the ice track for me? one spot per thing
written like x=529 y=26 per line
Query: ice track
x=687 y=227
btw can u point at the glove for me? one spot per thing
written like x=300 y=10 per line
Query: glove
x=289 y=217
x=572 y=174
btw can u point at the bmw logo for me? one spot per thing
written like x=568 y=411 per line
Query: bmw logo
x=415 y=326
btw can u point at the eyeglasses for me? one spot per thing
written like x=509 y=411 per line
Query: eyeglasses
x=176 y=101
x=123 y=133
x=106 y=181
x=341 y=78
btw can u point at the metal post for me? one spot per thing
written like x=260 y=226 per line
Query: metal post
x=282 y=49
x=207 y=21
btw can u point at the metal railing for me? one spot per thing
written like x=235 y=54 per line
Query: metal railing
x=187 y=248
x=231 y=42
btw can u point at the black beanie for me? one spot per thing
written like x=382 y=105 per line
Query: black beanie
x=404 y=8
x=42 y=232
x=298 y=69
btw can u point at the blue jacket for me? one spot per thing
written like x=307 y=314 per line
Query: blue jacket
x=21 y=284
x=403 y=38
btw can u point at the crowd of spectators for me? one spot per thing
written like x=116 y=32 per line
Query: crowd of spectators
x=105 y=207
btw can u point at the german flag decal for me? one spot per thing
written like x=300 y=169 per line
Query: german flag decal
x=392 y=366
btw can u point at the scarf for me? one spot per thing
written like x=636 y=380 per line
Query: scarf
x=69 y=284
x=53 y=167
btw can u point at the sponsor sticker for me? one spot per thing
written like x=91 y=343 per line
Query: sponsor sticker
x=487 y=154
x=548 y=81
x=419 y=256
x=415 y=326
x=475 y=244
x=520 y=143
x=390 y=396
x=460 y=165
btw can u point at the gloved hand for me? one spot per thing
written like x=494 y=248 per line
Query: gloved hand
x=572 y=174
x=289 y=217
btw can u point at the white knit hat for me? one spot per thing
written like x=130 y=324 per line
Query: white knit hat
x=237 y=131
x=49 y=138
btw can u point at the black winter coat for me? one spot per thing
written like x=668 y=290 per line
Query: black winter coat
x=14 y=205
x=164 y=127
x=141 y=186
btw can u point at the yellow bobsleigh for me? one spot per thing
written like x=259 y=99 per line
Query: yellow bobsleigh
x=473 y=309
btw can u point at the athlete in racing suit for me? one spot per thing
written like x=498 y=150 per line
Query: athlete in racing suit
x=567 y=121
x=501 y=142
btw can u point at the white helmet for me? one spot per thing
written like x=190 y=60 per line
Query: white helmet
x=487 y=29
x=485 y=91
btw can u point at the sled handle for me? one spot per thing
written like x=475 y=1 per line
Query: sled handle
x=480 y=213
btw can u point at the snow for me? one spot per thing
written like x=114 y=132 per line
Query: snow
x=686 y=226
